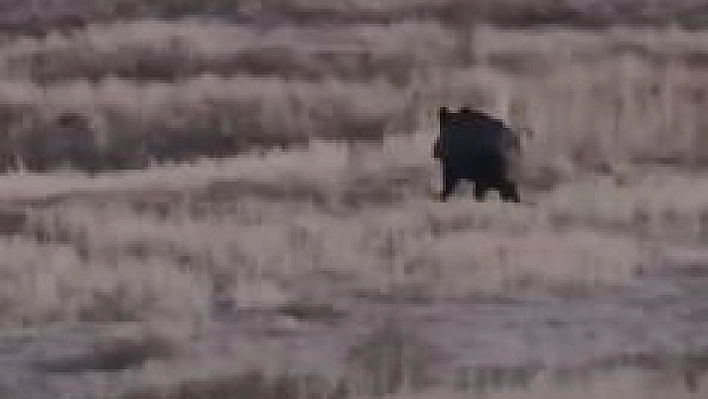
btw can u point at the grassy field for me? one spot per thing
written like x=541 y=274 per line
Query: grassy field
x=314 y=263
x=623 y=95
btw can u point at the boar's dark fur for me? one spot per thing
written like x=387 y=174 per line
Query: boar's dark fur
x=476 y=147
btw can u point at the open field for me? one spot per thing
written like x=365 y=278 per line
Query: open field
x=213 y=279
x=258 y=219
x=36 y=17
x=634 y=95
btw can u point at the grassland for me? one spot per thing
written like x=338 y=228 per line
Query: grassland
x=203 y=274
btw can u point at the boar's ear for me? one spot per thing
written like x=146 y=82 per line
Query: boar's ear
x=443 y=113
x=440 y=113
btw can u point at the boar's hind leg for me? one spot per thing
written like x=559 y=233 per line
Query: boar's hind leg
x=480 y=190
x=508 y=191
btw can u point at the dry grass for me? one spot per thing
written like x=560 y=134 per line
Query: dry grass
x=252 y=384
x=112 y=355
x=185 y=247
x=507 y=12
x=594 y=99
x=279 y=235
